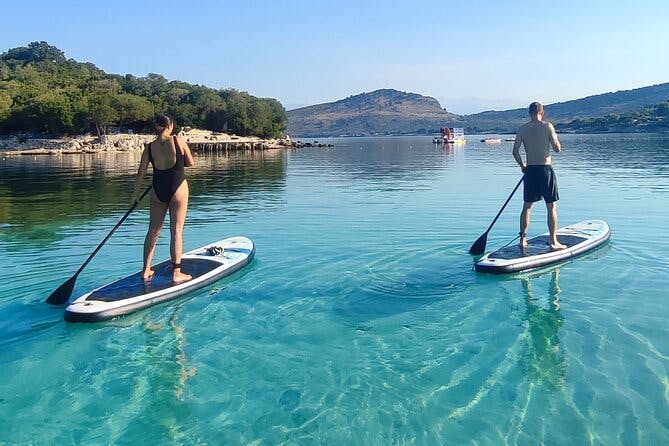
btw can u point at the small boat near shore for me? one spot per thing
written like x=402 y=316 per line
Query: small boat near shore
x=459 y=135
x=456 y=136
x=492 y=140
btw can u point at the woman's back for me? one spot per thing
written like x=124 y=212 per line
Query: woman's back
x=163 y=154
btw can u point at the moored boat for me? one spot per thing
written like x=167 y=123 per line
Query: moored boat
x=459 y=135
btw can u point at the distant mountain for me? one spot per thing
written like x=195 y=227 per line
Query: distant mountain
x=381 y=112
x=395 y=112
x=596 y=106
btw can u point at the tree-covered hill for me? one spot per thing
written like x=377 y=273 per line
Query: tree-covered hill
x=41 y=91
x=584 y=109
x=651 y=119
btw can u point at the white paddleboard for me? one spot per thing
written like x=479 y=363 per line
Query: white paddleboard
x=206 y=264
x=579 y=238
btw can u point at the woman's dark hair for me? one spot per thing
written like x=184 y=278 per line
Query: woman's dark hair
x=162 y=122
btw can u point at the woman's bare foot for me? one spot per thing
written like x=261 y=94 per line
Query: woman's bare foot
x=179 y=277
x=147 y=275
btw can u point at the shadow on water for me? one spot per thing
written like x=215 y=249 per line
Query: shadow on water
x=39 y=198
x=28 y=321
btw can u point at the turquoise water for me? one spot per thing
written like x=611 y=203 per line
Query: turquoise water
x=361 y=320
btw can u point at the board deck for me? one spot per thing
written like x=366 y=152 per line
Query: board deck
x=206 y=264
x=579 y=238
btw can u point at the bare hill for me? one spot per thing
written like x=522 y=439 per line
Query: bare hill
x=380 y=112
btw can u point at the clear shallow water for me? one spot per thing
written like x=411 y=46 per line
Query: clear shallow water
x=360 y=321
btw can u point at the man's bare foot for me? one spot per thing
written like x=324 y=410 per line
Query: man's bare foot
x=557 y=246
x=179 y=277
x=147 y=275
x=523 y=241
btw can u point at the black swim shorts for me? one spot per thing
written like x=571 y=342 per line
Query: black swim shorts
x=540 y=182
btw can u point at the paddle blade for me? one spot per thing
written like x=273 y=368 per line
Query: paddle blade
x=62 y=293
x=479 y=245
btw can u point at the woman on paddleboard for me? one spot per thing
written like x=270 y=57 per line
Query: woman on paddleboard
x=168 y=156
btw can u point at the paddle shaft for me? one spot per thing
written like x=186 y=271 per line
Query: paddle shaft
x=505 y=203
x=120 y=222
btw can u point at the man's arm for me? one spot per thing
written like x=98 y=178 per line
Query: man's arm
x=555 y=142
x=516 y=152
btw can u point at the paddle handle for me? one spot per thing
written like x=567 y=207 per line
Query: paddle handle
x=120 y=222
x=505 y=203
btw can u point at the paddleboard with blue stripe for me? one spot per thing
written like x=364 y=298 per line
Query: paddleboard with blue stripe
x=579 y=238
x=206 y=264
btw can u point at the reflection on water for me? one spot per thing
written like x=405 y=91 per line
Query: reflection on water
x=375 y=158
x=176 y=352
x=40 y=196
x=544 y=361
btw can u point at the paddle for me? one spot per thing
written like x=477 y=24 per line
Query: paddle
x=63 y=292
x=479 y=245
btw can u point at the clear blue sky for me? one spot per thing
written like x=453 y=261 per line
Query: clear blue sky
x=470 y=55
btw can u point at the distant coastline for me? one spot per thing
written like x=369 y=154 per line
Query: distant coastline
x=392 y=112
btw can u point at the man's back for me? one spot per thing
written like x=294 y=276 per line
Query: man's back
x=537 y=137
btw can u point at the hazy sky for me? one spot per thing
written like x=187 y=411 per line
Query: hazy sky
x=472 y=55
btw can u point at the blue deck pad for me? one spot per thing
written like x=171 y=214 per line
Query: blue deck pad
x=133 y=286
x=535 y=246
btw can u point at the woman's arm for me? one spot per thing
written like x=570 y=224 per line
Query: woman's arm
x=188 y=156
x=141 y=171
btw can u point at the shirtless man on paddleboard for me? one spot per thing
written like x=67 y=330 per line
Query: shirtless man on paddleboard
x=537 y=137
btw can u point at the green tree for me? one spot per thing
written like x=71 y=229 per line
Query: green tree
x=51 y=113
x=132 y=109
x=6 y=103
x=34 y=52
x=42 y=91
x=101 y=112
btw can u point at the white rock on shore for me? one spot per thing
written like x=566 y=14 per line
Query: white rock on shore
x=122 y=142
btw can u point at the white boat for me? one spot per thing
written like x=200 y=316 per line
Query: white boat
x=459 y=135
x=446 y=137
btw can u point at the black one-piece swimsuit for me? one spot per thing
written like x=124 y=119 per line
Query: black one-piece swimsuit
x=167 y=181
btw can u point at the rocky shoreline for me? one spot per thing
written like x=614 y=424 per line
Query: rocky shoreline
x=198 y=140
